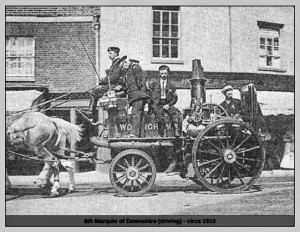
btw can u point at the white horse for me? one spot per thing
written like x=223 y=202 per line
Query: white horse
x=46 y=137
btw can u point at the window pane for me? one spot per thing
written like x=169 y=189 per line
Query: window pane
x=174 y=18
x=156 y=41
x=269 y=60
x=276 y=51
x=262 y=40
x=174 y=42
x=269 y=41
x=174 y=31
x=165 y=32
x=165 y=41
x=156 y=52
x=156 y=30
x=269 y=50
x=276 y=42
x=174 y=51
x=165 y=51
x=156 y=17
x=166 y=18
x=262 y=51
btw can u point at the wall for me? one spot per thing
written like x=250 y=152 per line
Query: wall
x=245 y=36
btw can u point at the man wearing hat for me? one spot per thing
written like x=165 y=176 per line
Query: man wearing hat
x=114 y=75
x=137 y=95
x=231 y=105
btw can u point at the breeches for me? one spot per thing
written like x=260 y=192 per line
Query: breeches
x=99 y=91
x=173 y=113
x=137 y=109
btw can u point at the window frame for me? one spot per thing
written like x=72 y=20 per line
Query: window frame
x=266 y=28
x=170 y=60
x=20 y=76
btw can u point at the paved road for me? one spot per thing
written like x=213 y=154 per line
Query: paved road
x=271 y=195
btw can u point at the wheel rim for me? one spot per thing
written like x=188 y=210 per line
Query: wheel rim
x=132 y=172
x=228 y=156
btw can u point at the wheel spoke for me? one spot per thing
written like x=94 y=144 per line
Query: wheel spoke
x=144 y=179
x=242 y=166
x=243 y=158
x=213 y=145
x=132 y=160
x=120 y=177
x=208 y=174
x=221 y=141
x=227 y=140
x=138 y=183
x=239 y=176
x=237 y=147
x=126 y=182
x=138 y=164
x=208 y=162
x=144 y=167
x=229 y=177
x=125 y=169
x=249 y=149
x=131 y=186
x=221 y=174
x=210 y=152
x=236 y=136
x=128 y=165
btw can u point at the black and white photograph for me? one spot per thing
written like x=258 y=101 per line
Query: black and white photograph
x=149 y=115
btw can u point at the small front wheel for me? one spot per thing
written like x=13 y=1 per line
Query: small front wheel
x=132 y=172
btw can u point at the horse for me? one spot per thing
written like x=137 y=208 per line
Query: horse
x=45 y=137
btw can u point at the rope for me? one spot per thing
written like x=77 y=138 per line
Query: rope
x=28 y=157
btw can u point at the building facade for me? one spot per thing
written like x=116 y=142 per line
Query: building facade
x=58 y=49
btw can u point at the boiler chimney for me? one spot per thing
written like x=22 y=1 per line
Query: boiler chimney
x=198 y=83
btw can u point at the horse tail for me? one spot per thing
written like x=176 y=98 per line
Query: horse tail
x=67 y=130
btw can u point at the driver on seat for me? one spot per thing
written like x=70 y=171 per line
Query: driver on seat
x=230 y=104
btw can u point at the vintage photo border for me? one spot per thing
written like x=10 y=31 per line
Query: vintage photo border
x=130 y=2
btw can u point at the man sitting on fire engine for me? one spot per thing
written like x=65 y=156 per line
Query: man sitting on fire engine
x=230 y=104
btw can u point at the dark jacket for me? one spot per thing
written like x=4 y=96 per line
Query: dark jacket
x=134 y=84
x=233 y=108
x=171 y=96
x=115 y=73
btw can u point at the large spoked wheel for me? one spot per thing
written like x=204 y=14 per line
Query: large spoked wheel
x=132 y=172
x=228 y=156
x=216 y=110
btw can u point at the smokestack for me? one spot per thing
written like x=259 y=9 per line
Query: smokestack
x=198 y=83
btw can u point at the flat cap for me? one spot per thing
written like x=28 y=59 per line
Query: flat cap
x=115 y=49
x=227 y=88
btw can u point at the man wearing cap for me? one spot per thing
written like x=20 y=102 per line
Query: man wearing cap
x=164 y=97
x=136 y=94
x=231 y=105
x=114 y=76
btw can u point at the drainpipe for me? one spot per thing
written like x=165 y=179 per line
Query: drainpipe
x=96 y=25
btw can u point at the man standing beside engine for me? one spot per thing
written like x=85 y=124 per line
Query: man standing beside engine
x=136 y=94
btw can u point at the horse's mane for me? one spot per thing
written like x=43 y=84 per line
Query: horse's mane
x=73 y=133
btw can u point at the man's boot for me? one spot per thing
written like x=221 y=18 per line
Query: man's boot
x=92 y=108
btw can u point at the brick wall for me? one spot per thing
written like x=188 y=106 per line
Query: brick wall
x=61 y=61
x=52 y=10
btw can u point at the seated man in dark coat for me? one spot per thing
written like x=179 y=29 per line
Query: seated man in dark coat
x=230 y=104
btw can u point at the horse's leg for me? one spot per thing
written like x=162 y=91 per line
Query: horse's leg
x=43 y=179
x=56 y=185
x=69 y=167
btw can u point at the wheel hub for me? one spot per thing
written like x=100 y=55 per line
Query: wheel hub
x=229 y=156
x=132 y=173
